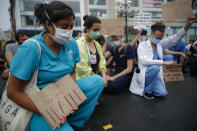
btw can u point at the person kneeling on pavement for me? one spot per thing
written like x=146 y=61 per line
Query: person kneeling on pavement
x=91 y=53
x=176 y=53
x=123 y=54
x=58 y=57
x=149 y=81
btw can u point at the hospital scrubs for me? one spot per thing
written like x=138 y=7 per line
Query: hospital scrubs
x=122 y=83
x=53 y=67
x=180 y=47
x=153 y=85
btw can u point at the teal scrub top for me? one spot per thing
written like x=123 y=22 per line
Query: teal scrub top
x=51 y=66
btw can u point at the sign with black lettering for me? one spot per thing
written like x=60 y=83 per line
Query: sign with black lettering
x=57 y=99
x=142 y=20
x=173 y=73
x=10 y=112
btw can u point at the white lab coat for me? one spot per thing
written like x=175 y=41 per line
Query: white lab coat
x=145 y=58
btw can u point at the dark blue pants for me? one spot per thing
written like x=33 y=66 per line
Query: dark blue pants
x=121 y=83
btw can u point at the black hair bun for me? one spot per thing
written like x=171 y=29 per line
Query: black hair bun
x=39 y=11
x=85 y=17
x=39 y=8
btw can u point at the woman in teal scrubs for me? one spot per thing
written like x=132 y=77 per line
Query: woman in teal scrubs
x=59 y=55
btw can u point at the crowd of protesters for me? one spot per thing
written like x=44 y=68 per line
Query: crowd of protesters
x=97 y=63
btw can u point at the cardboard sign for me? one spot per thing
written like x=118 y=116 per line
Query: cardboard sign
x=142 y=20
x=173 y=73
x=178 y=9
x=58 y=98
x=113 y=26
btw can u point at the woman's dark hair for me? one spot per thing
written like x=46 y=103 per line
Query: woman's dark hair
x=56 y=10
x=100 y=40
x=20 y=34
x=89 y=21
x=159 y=25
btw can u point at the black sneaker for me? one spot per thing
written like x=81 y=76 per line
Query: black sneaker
x=84 y=128
x=149 y=96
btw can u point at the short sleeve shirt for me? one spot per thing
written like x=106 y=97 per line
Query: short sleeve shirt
x=180 y=47
x=51 y=67
x=121 y=57
x=11 y=48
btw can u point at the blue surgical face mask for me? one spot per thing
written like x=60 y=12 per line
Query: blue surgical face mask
x=117 y=43
x=155 y=41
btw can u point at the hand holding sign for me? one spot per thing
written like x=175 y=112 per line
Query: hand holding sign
x=74 y=109
x=106 y=36
x=169 y=62
x=192 y=19
x=140 y=30
x=58 y=100
x=63 y=120
x=63 y=117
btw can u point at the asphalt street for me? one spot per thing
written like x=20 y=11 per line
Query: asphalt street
x=128 y=112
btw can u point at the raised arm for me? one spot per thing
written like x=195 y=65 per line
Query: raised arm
x=134 y=41
x=173 y=40
x=105 y=44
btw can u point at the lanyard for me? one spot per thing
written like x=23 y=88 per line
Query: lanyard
x=87 y=52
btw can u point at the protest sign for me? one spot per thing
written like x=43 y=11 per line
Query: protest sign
x=113 y=26
x=173 y=73
x=58 y=98
x=142 y=20
x=178 y=9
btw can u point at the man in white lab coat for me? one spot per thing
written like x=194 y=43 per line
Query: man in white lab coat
x=148 y=81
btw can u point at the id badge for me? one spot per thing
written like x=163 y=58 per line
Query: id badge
x=93 y=59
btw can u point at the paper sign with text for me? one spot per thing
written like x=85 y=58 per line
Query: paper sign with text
x=142 y=20
x=173 y=73
x=112 y=26
x=178 y=9
x=58 y=98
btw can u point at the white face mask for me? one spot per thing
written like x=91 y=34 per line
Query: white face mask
x=62 y=36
